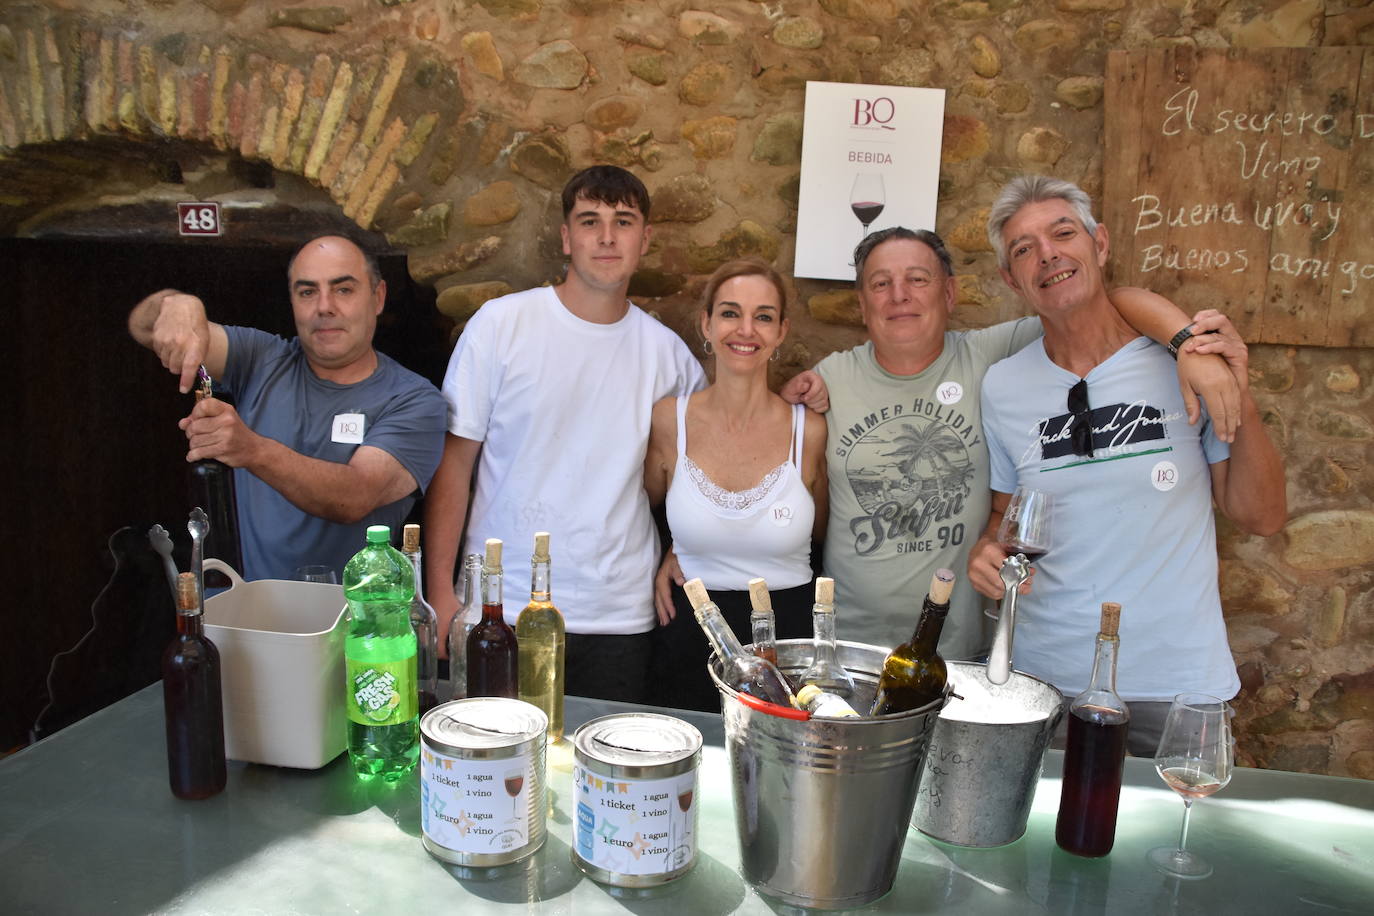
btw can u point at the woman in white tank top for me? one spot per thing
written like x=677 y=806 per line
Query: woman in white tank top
x=743 y=474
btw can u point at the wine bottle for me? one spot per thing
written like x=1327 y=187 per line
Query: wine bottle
x=761 y=622
x=469 y=586
x=539 y=631
x=825 y=670
x=426 y=624
x=1095 y=752
x=914 y=673
x=819 y=703
x=192 y=701
x=491 y=650
x=211 y=485
x=744 y=672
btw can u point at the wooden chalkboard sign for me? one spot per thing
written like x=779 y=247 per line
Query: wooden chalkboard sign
x=1243 y=180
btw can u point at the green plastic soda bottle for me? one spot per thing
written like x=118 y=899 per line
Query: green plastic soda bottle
x=379 y=653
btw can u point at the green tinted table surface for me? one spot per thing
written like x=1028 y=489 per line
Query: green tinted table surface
x=87 y=825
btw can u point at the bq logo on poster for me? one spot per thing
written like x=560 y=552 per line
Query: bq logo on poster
x=874 y=114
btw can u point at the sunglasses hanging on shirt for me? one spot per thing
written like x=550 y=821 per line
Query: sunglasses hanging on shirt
x=1081 y=426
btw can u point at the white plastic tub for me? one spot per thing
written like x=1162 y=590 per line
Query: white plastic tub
x=282 y=669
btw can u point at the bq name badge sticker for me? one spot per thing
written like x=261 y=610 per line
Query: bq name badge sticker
x=349 y=428
x=1164 y=476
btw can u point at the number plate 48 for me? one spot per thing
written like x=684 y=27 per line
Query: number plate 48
x=198 y=218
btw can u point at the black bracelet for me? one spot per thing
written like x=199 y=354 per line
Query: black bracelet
x=1181 y=338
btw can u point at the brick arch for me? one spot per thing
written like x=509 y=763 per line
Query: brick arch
x=333 y=119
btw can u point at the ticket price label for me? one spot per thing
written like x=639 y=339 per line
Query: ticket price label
x=636 y=826
x=475 y=806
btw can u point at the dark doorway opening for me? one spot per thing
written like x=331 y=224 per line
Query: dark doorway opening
x=93 y=443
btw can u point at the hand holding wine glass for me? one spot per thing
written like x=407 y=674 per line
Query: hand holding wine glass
x=1194 y=759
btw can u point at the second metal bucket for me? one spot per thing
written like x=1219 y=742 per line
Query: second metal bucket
x=822 y=807
x=979 y=777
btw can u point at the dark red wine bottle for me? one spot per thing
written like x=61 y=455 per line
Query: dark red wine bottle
x=211 y=486
x=1095 y=753
x=493 y=662
x=192 y=701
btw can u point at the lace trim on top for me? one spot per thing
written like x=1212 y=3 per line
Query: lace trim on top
x=735 y=500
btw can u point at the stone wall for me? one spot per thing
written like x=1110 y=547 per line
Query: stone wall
x=449 y=125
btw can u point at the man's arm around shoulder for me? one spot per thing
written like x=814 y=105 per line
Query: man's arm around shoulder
x=1249 y=487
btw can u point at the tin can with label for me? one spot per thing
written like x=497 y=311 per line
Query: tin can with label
x=482 y=780
x=635 y=782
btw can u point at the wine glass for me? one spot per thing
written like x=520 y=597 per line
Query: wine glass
x=316 y=573
x=1025 y=529
x=1026 y=525
x=514 y=781
x=867 y=199
x=1193 y=759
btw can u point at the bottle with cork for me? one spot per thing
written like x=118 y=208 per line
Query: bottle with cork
x=540 y=633
x=425 y=623
x=741 y=670
x=1095 y=753
x=192 y=701
x=211 y=486
x=492 y=658
x=914 y=674
x=825 y=671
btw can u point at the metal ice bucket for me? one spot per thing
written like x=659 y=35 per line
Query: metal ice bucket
x=822 y=807
x=979 y=778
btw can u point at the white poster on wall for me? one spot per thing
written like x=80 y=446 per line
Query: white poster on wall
x=870 y=159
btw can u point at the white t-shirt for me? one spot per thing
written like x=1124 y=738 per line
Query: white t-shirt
x=562 y=407
x=1132 y=524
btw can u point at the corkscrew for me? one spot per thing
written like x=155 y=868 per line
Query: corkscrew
x=1015 y=570
x=205 y=386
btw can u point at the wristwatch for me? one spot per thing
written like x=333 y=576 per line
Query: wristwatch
x=1180 y=339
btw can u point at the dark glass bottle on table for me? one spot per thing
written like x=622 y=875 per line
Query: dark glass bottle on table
x=492 y=659
x=914 y=674
x=539 y=631
x=210 y=484
x=426 y=624
x=745 y=672
x=192 y=701
x=1095 y=753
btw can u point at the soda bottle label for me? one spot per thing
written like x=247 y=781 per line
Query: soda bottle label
x=381 y=693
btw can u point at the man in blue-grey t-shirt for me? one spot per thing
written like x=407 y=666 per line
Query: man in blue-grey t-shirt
x=328 y=435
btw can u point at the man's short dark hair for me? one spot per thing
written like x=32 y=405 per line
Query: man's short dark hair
x=924 y=236
x=609 y=185
x=374 y=267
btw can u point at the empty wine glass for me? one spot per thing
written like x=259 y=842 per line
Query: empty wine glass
x=1193 y=759
x=316 y=573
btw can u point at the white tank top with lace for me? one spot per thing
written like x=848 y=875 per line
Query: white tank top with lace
x=726 y=537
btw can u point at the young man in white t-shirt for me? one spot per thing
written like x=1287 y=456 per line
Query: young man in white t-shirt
x=550 y=393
